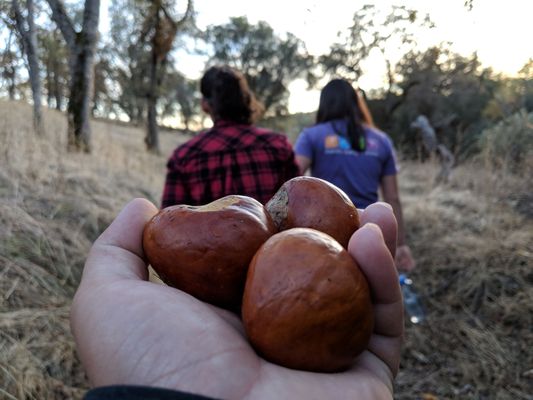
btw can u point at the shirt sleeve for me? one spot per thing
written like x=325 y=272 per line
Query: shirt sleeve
x=291 y=167
x=303 y=145
x=175 y=190
x=390 y=166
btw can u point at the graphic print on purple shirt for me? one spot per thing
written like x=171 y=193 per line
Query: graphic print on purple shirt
x=333 y=159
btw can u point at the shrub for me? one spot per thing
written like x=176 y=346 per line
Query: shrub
x=508 y=145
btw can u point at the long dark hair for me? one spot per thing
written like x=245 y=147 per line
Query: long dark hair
x=229 y=96
x=339 y=100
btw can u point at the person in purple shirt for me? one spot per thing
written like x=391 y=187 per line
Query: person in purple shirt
x=345 y=148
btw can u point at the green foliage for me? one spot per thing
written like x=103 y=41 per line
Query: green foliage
x=512 y=94
x=129 y=56
x=179 y=95
x=268 y=61
x=508 y=145
x=291 y=125
x=53 y=55
x=11 y=60
x=469 y=4
x=451 y=90
x=528 y=95
x=460 y=98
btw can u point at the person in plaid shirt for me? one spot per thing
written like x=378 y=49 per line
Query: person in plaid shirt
x=234 y=156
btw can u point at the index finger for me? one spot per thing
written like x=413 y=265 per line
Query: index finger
x=382 y=215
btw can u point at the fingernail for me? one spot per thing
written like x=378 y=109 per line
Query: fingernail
x=373 y=227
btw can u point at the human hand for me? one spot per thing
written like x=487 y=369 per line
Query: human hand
x=129 y=330
x=404 y=259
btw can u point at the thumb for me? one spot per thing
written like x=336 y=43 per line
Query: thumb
x=118 y=252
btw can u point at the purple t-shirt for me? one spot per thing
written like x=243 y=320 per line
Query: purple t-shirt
x=332 y=159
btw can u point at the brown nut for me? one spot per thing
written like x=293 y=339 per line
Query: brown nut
x=309 y=202
x=306 y=304
x=205 y=250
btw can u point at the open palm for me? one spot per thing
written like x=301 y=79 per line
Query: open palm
x=132 y=331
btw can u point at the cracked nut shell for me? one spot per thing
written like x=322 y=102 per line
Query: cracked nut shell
x=309 y=202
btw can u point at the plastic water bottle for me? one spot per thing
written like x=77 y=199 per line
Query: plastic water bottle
x=411 y=301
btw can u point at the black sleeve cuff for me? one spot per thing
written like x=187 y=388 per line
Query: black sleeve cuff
x=130 y=392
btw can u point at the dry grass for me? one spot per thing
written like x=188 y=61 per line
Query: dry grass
x=473 y=240
x=52 y=206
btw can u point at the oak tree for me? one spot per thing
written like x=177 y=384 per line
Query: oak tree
x=81 y=45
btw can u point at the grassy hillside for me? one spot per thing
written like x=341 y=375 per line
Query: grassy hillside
x=472 y=238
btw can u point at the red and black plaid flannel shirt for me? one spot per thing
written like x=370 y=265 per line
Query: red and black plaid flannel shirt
x=229 y=159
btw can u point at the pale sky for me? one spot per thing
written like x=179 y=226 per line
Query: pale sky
x=500 y=32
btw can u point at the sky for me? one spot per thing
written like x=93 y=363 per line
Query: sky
x=500 y=31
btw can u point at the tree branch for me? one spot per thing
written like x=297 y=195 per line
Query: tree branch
x=63 y=22
x=19 y=24
x=188 y=13
x=402 y=98
x=91 y=16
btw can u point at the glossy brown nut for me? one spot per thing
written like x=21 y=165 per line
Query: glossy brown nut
x=309 y=202
x=205 y=250
x=306 y=303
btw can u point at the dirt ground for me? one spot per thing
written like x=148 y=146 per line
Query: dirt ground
x=472 y=239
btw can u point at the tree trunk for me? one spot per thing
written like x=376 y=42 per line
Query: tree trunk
x=29 y=40
x=57 y=90
x=79 y=130
x=152 y=135
x=34 y=71
x=82 y=47
x=9 y=73
x=48 y=82
x=12 y=86
x=165 y=29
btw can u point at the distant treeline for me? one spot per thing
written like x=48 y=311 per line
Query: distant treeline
x=132 y=72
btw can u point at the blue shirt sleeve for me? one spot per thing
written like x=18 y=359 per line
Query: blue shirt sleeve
x=303 y=145
x=390 y=166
